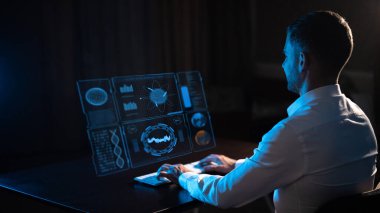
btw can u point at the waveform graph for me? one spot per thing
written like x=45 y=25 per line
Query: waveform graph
x=165 y=139
x=157 y=139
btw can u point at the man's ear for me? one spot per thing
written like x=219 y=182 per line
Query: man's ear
x=303 y=62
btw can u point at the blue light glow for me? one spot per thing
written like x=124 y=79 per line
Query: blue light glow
x=198 y=120
x=158 y=96
x=96 y=96
x=138 y=120
x=117 y=150
x=185 y=97
x=163 y=137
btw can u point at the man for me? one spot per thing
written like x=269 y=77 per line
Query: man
x=324 y=149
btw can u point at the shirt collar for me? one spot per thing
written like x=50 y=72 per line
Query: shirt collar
x=325 y=91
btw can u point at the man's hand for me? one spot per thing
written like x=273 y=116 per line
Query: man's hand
x=218 y=163
x=172 y=172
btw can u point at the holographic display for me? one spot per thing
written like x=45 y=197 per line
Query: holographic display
x=198 y=120
x=156 y=140
x=108 y=149
x=159 y=139
x=96 y=96
x=97 y=103
x=138 y=120
x=201 y=133
x=144 y=97
x=192 y=90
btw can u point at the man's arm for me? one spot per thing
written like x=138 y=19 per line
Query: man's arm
x=218 y=163
x=276 y=162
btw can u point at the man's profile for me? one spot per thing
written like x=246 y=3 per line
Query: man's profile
x=325 y=148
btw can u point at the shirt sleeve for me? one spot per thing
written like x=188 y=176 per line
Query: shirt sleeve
x=277 y=161
x=239 y=162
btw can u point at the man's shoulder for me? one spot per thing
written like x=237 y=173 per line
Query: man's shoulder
x=354 y=108
x=321 y=112
x=282 y=129
x=302 y=120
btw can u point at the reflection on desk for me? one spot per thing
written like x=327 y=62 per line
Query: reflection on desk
x=75 y=184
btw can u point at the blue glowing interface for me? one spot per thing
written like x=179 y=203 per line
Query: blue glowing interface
x=109 y=150
x=138 y=120
x=157 y=139
x=192 y=90
x=142 y=97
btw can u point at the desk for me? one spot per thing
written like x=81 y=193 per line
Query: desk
x=75 y=184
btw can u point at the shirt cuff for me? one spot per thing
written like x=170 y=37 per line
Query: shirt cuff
x=184 y=177
x=239 y=162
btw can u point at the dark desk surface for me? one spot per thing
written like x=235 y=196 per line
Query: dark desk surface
x=75 y=184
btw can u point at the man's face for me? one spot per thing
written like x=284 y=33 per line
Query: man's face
x=290 y=65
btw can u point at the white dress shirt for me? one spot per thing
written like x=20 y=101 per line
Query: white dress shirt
x=325 y=148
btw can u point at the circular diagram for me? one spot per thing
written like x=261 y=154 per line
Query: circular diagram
x=202 y=137
x=96 y=96
x=158 y=139
x=198 y=120
x=158 y=96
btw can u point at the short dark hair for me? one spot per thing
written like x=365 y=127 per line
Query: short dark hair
x=325 y=34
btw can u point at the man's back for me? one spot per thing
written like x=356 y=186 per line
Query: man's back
x=338 y=148
x=325 y=148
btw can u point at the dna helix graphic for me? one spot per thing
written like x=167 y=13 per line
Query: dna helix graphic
x=117 y=150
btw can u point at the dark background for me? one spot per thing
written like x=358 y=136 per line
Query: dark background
x=46 y=46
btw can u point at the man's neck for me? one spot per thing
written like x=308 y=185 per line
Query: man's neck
x=306 y=87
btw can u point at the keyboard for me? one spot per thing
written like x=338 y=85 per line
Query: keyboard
x=151 y=178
